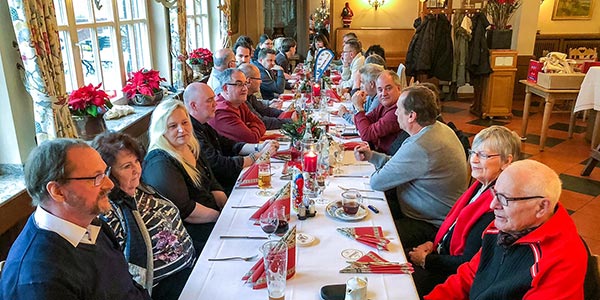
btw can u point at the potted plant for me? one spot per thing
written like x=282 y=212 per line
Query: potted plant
x=88 y=105
x=143 y=87
x=201 y=60
x=500 y=11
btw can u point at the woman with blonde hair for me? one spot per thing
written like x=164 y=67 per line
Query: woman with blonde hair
x=175 y=167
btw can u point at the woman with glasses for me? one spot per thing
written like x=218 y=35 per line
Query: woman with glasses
x=148 y=227
x=175 y=167
x=459 y=236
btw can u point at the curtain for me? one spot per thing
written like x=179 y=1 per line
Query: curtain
x=225 y=18
x=36 y=29
x=186 y=73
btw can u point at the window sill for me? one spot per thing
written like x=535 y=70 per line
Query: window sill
x=12 y=182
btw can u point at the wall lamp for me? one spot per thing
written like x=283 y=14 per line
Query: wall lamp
x=376 y=3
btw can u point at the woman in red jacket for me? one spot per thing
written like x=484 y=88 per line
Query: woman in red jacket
x=459 y=236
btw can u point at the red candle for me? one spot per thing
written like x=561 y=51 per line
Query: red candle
x=316 y=90
x=310 y=162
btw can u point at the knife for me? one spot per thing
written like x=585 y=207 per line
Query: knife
x=372 y=198
x=352 y=176
x=244 y=237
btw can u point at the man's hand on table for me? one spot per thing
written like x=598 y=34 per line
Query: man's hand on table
x=363 y=152
x=342 y=110
x=358 y=100
x=271 y=146
x=419 y=253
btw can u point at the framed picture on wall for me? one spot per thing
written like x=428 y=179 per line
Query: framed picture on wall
x=573 y=9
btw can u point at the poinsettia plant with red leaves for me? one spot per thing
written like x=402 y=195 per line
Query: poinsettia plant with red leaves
x=501 y=11
x=89 y=100
x=201 y=56
x=145 y=82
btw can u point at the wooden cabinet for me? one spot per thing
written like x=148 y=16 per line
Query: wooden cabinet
x=497 y=94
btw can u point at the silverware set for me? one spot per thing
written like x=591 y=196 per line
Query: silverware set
x=244 y=258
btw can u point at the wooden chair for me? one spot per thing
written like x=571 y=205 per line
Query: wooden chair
x=581 y=55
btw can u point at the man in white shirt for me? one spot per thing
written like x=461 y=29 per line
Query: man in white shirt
x=352 y=60
x=64 y=250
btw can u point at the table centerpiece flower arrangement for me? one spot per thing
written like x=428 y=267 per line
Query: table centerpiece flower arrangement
x=297 y=130
x=143 y=87
x=88 y=105
x=201 y=60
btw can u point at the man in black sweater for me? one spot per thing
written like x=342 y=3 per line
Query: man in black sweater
x=226 y=157
x=65 y=251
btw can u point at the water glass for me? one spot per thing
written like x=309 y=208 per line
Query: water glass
x=351 y=201
x=275 y=256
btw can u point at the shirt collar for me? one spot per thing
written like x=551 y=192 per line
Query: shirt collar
x=74 y=234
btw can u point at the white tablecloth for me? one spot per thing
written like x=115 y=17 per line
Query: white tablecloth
x=589 y=94
x=316 y=265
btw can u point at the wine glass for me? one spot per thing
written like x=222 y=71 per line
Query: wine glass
x=264 y=179
x=269 y=223
x=322 y=173
x=337 y=151
x=283 y=225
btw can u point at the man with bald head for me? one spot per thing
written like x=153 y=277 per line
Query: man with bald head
x=530 y=251
x=65 y=251
x=226 y=157
x=269 y=115
x=223 y=60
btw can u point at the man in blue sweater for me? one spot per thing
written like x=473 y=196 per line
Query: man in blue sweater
x=65 y=251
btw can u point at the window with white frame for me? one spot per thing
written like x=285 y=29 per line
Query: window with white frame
x=197 y=24
x=102 y=41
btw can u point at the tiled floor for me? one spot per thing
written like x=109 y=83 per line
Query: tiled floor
x=581 y=194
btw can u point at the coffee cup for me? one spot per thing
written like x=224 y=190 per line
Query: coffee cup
x=351 y=201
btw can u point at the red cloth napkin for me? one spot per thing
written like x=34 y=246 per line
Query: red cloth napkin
x=286 y=114
x=256 y=275
x=370 y=236
x=272 y=136
x=250 y=176
x=281 y=198
x=373 y=263
x=286 y=97
x=351 y=145
x=333 y=95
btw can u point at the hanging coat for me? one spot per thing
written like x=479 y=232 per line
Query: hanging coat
x=478 y=62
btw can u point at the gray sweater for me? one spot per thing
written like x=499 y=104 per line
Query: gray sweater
x=429 y=172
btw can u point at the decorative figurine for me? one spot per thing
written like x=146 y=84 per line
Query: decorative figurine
x=347 y=15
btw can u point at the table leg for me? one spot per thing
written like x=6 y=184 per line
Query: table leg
x=596 y=126
x=546 y=119
x=591 y=164
x=525 y=113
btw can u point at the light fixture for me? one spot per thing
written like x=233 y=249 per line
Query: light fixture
x=376 y=3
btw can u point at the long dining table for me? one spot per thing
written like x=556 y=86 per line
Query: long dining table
x=317 y=264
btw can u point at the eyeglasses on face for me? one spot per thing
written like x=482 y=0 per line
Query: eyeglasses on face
x=481 y=155
x=504 y=199
x=97 y=179
x=239 y=84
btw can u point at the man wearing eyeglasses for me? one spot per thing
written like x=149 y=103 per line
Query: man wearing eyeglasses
x=223 y=60
x=530 y=251
x=269 y=115
x=272 y=76
x=65 y=251
x=233 y=119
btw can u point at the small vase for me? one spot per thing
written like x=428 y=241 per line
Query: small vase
x=499 y=38
x=200 y=70
x=89 y=127
x=144 y=100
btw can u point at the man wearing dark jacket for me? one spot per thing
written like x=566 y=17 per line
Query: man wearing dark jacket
x=272 y=76
x=226 y=157
x=269 y=115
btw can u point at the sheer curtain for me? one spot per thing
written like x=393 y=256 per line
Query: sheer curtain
x=36 y=29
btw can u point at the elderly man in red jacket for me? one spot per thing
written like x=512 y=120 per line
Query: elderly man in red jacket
x=233 y=118
x=380 y=126
x=530 y=251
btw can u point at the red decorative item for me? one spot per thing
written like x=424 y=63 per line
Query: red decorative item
x=310 y=162
x=201 y=56
x=145 y=82
x=89 y=100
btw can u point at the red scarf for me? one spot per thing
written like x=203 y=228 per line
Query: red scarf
x=465 y=215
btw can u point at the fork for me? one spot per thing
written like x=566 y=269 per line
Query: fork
x=244 y=258
x=345 y=189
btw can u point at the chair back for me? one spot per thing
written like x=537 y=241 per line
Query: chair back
x=1 y=266
x=591 y=284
